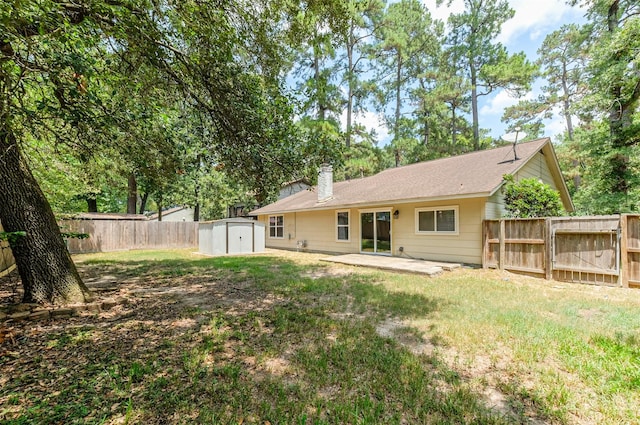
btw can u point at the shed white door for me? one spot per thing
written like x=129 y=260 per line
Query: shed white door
x=239 y=238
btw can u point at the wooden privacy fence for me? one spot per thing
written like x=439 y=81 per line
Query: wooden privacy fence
x=115 y=235
x=602 y=250
x=7 y=262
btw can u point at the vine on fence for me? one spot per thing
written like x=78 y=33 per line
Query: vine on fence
x=74 y=235
x=12 y=237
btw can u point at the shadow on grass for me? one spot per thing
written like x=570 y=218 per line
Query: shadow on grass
x=266 y=342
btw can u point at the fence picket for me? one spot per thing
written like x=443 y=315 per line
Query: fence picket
x=7 y=262
x=117 y=235
x=602 y=250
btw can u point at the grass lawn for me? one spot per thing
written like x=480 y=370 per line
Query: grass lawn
x=284 y=338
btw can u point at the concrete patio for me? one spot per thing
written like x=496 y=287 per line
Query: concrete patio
x=407 y=265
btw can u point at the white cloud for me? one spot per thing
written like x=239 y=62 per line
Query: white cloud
x=537 y=18
x=495 y=105
x=371 y=120
x=557 y=125
x=443 y=12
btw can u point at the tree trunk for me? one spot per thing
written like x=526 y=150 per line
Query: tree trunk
x=159 y=203
x=474 y=109
x=396 y=124
x=196 y=208
x=320 y=91
x=132 y=194
x=426 y=129
x=92 y=205
x=454 y=140
x=196 y=212
x=47 y=272
x=620 y=118
x=566 y=105
x=350 y=79
x=143 y=202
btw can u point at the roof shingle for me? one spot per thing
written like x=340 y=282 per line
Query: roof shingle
x=473 y=174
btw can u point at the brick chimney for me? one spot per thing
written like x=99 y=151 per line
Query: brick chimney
x=325 y=183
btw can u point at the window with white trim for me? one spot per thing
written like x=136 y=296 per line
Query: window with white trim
x=342 y=226
x=276 y=226
x=437 y=220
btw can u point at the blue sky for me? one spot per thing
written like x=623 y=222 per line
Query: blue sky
x=533 y=20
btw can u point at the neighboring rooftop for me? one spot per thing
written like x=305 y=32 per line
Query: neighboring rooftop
x=167 y=211
x=108 y=216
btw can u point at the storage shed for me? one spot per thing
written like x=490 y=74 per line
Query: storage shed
x=231 y=236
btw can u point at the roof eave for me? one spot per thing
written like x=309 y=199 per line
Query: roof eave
x=554 y=169
x=319 y=207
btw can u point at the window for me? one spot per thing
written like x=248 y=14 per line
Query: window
x=276 y=226
x=342 y=226
x=437 y=220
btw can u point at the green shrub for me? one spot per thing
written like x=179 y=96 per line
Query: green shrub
x=531 y=198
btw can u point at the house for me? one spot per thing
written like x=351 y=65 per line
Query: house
x=175 y=214
x=287 y=189
x=291 y=188
x=430 y=210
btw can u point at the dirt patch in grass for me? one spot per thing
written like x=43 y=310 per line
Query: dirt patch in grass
x=482 y=370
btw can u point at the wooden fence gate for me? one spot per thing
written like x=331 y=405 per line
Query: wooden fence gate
x=630 y=250
x=586 y=249
x=602 y=250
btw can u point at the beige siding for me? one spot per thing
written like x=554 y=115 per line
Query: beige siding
x=318 y=229
x=464 y=247
x=537 y=168
x=494 y=208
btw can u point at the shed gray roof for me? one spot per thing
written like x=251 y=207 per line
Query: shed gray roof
x=474 y=174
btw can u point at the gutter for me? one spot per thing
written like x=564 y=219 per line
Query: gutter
x=374 y=204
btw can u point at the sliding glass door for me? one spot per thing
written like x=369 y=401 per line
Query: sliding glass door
x=375 y=232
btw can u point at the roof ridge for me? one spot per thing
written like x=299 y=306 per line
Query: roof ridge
x=510 y=145
x=422 y=163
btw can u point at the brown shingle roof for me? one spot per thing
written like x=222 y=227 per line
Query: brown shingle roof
x=469 y=175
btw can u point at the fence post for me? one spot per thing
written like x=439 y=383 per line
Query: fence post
x=485 y=243
x=548 y=263
x=502 y=245
x=623 y=278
